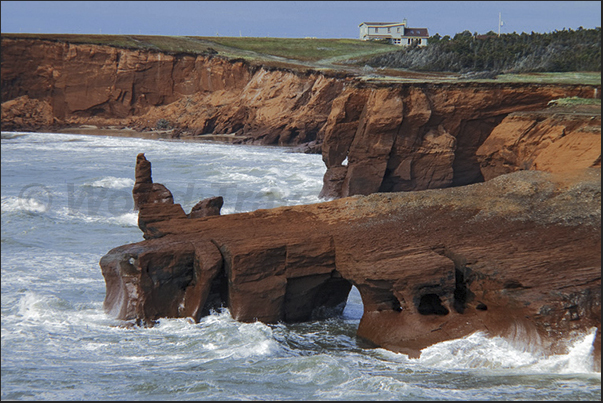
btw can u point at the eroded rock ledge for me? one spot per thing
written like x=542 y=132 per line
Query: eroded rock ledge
x=518 y=256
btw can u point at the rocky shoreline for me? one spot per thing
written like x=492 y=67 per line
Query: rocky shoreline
x=373 y=137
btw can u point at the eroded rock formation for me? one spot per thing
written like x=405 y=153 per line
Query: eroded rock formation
x=207 y=207
x=517 y=256
x=552 y=142
x=394 y=136
x=427 y=136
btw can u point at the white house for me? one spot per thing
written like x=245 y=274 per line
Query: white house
x=396 y=32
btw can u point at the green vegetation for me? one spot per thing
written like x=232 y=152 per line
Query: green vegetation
x=586 y=78
x=559 y=51
x=293 y=49
x=163 y=124
x=305 y=50
x=562 y=57
x=574 y=101
x=170 y=44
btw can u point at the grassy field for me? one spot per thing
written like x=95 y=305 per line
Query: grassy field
x=590 y=78
x=575 y=101
x=174 y=44
x=293 y=49
x=305 y=50
x=332 y=55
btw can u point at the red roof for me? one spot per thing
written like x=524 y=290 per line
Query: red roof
x=422 y=32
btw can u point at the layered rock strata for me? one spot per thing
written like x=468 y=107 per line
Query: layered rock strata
x=384 y=137
x=545 y=141
x=517 y=256
x=426 y=136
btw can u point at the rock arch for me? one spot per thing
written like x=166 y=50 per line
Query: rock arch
x=430 y=266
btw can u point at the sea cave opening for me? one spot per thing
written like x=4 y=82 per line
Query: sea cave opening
x=354 y=308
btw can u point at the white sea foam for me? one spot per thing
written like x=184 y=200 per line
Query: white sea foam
x=235 y=339
x=126 y=219
x=216 y=338
x=578 y=360
x=228 y=210
x=36 y=307
x=111 y=182
x=15 y=204
x=31 y=306
x=476 y=351
x=317 y=370
x=479 y=351
x=239 y=177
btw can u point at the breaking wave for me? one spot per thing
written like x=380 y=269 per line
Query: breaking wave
x=481 y=352
x=111 y=182
x=12 y=204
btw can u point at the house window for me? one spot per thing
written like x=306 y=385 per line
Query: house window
x=409 y=41
x=389 y=30
x=376 y=30
x=398 y=29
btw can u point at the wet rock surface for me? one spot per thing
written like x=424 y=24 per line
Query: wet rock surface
x=517 y=256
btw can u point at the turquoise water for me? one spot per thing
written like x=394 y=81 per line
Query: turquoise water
x=66 y=201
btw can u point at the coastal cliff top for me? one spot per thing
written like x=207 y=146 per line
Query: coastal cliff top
x=329 y=56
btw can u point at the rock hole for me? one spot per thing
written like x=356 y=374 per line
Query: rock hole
x=481 y=307
x=315 y=297
x=471 y=135
x=218 y=294
x=354 y=307
x=331 y=298
x=431 y=304
x=97 y=111
x=396 y=305
x=462 y=294
x=512 y=284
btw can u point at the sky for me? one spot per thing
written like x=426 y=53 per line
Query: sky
x=292 y=19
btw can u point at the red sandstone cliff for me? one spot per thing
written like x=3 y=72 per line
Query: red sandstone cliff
x=395 y=137
x=517 y=256
x=552 y=141
x=103 y=85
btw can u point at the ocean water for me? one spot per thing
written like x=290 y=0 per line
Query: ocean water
x=66 y=201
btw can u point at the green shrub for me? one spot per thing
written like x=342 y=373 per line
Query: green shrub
x=163 y=124
x=558 y=51
x=573 y=101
